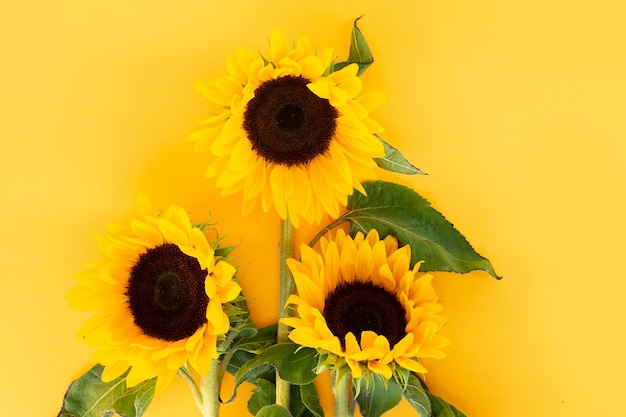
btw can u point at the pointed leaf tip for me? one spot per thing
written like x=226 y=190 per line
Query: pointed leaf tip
x=393 y=209
x=360 y=52
x=394 y=161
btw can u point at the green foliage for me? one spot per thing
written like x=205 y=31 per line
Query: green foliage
x=88 y=396
x=394 y=209
x=310 y=399
x=304 y=401
x=376 y=395
x=417 y=396
x=360 y=52
x=243 y=345
x=441 y=408
x=273 y=410
x=394 y=161
x=294 y=363
x=264 y=394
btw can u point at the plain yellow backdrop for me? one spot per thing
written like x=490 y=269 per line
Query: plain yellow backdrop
x=515 y=109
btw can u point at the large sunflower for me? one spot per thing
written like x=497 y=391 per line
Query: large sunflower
x=287 y=133
x=360 y=303
x=159 y=297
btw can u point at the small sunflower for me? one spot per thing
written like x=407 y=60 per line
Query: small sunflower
x=287 y=133
x=360 y=303
x=159 y=297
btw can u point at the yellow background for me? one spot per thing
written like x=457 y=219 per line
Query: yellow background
x=515 y=109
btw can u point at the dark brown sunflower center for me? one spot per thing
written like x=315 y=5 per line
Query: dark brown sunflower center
x=166 y=293
x=360 y=306
x=287 y=123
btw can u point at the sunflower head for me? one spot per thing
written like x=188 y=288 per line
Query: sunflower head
x=159 y=296
x=289 y=132
x=360 y=303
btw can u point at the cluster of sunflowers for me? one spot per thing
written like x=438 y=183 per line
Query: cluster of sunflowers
x=291 y=131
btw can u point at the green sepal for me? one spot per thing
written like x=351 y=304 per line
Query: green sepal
x=240 y=335
x=394 y=161
x=393 y=209
x=273 y=410
x=88 y=396
x=360 y=52
x=375 y=395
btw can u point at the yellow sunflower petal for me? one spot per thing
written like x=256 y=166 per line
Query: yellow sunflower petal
x=344 y=261
x=380 y=368
x=139 y=253
x=315 y=184
x=114 y=370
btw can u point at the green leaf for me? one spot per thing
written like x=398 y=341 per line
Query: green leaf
x=441 y=408
x=394 y=209
x=311 y=399
x=263 y=338
x=274 y=410
x=377 y=396
x=304 y=401
x=264 y=394
x=294 y=363
x=245 y=347
x=417 y=396
x=394 y=161
x=360 y=52
x=88 y=396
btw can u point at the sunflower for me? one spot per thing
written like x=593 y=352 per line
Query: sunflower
x=360 y=303
x=159 y=296
x=289 y=132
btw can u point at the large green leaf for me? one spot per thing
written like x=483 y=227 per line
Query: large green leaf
x=394 y=161
x=360 y=52
x=88 y=396
x=377 y=396
x=417 y=396
x=393 y=209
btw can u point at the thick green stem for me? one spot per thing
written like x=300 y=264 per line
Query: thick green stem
x=341 y=392
x=285 y=250
x=210 y=389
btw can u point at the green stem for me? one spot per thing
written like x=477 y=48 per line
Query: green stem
x=341 y=392
x=191 y=381
x=286 y=284
x=210 y=389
